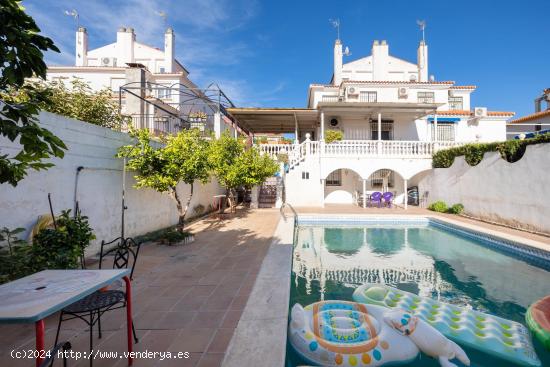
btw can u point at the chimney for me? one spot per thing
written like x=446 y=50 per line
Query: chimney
x=125 y=38
x=380 y=60
x=169 y=50
x=337 y=78
x=81 y=51
x=422 y=62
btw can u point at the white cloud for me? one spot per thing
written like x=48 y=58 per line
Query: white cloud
x=204 y=31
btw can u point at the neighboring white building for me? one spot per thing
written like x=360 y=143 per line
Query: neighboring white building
x=392 y=115
x=153 y=87
x=535 y=123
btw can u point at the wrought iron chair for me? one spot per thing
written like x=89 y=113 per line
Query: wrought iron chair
x=52 y=354
x=89 y=309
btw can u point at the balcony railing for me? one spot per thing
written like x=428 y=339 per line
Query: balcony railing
x=164 y=125
x=358 y=148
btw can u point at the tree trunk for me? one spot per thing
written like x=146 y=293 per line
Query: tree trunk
x=179 y=206
x=188 y=202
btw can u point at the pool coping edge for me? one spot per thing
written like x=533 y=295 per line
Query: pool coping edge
x=260 y=336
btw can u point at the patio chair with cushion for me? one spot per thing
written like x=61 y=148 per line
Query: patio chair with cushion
x=89 y=309
x=388 y=197
x=375 y=197
x=52 y=354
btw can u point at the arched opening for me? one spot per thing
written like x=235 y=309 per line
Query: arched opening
x=385 y=180
x=342 y=186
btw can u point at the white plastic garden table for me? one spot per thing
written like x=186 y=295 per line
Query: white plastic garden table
x=33 y=298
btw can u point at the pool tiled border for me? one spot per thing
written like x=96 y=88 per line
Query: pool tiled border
x=260 y=338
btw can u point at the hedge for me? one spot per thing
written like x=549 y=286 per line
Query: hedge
x=510 y=150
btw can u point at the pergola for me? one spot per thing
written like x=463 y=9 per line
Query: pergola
x=276 y=120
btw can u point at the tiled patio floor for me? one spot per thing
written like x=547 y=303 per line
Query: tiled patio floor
x=186 y=298
x=190 y=298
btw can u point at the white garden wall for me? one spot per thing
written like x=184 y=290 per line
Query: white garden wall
x=517 y=193
x=99 y=185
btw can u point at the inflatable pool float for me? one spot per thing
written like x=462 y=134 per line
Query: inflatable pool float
x=538 y=320
x=490 y=334
x=340 y=333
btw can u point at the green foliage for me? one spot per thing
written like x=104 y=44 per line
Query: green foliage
x=333 y=135
x=456 y=209
x=282 y=157
x=438 y=206
x=510 y=150
x=165 y=235
x=235 y=166
x=59 y=248
x=183 y=158
x=21 y=57
x=78 y=101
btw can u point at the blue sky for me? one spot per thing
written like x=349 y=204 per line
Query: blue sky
x=266 y=53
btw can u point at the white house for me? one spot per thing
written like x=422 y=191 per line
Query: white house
x=535 y=123
x=152 y=86
x=392 y=115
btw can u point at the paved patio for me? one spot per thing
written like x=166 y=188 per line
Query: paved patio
x=188 y=298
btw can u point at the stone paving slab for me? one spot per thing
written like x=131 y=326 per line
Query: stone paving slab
x=186 y=298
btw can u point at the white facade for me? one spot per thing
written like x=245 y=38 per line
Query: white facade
x=156 y=88
x=393 y=116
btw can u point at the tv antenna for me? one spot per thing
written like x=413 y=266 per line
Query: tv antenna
x=73 y=13
x=422 y=25
x=336 y=24
x=163 y=15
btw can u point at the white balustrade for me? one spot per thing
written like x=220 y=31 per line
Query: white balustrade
x=357 y=148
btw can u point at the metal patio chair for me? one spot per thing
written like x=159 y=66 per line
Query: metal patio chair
x=52 y=354
x=89 y=309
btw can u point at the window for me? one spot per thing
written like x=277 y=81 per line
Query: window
x=387 y=130
x=426 y=97
x=455 y=103
x=305 y=175
x=163 y=92
x=335 y=178
x=367 y=97
x=377 y=178
x=162 y=70
x=445 y=131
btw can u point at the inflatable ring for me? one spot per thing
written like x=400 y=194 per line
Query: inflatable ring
x=340 y=333
x=538 y=320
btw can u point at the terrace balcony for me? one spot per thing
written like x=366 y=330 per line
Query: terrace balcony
x=358 y=149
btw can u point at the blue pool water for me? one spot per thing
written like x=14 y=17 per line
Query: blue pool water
x=330 y=261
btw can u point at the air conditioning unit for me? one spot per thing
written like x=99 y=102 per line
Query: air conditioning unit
x=106 y=61
x=402 y=92
x=451 y=93
x=351 y=90
x=480 y=112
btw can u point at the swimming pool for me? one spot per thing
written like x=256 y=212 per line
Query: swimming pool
x=332 y=257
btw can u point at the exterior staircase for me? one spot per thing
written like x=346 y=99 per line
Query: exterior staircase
x=268 y=193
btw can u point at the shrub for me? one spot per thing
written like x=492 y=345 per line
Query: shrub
x=438 y=206
x=333 y=135
x=456 y=209
x=63 y=246
x=198 y=209
x=51 y=248
x=511 y=151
